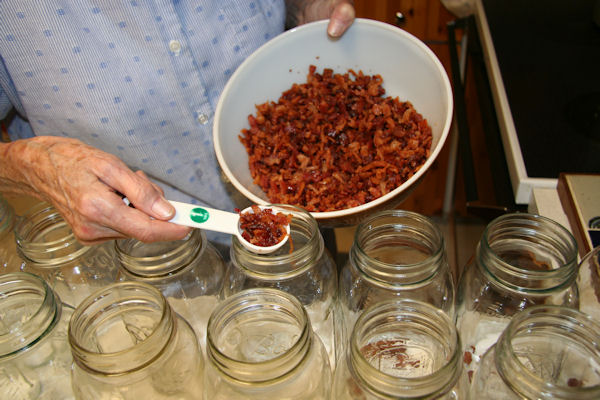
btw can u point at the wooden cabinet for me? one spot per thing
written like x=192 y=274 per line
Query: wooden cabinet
x=427 y=20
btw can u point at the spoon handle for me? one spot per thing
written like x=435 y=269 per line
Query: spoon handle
x=204 y=218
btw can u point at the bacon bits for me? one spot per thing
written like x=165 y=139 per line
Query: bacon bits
x=334 y=142
x=262 y=227
x=574 y=382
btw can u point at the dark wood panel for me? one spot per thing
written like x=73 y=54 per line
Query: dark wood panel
x=427 y=20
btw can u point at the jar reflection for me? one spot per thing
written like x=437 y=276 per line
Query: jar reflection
x=588 y=281
x=302 y=267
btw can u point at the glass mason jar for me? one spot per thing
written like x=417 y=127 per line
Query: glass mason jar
x=189 y=273
x=35 y=361
x=302 y=267
x=588 y=282
x=402 y=349
x=395 y=254
x=545 y=352
x=9 y=259
x=521 y=260
x=261 y=345
x=127 y=343
x=49 y=249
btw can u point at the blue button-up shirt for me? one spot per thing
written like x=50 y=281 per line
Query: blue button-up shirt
x=139 y=79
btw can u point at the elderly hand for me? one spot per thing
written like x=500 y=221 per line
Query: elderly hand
x=81 y=183
x=340 y=13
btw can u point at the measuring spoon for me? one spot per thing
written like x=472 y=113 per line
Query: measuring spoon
x=220 y=221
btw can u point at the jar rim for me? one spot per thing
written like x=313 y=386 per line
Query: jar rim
x=107 y=300
x=531 y=322
x=169 y=263
x=40 y=323
x=421 y=316
x=535 y=230
x=276 y=368
x=37 y=221
x=385 y=273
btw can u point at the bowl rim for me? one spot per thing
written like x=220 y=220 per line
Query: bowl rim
x=331 y=215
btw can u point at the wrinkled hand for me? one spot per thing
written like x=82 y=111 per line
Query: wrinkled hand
x=81 y=183
x=341 y=14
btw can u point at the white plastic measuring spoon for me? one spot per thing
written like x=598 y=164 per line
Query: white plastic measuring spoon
x=220 y=221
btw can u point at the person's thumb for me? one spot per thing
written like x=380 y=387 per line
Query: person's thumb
x=341 y=18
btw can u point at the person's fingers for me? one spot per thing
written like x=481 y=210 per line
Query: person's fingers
x=341 y=18
x=340 y=12
x=158 y=231
x=81 y=183
x=140 y=191
x=115 y=220
x=142 y=222
x=158 y=188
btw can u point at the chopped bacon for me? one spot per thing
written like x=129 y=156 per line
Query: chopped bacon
x=334 y=142
x=262 y=227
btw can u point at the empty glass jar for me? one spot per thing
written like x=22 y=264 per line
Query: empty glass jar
x=402 y=349
x=521 y=260
x=302 y=267
x=588 y=282
x=545 y=352
x=189 y=273
x=9 y=259
x=35 y=361
x=49 y=249
x=395 y=254
x=127 y=343
x=261 y=345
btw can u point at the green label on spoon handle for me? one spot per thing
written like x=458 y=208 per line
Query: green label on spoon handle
x=199 y=215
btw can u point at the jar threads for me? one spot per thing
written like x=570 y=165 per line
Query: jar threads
x=398 y=248
x=126 y=338
x=44 y=238
x=34 y=353
x=302 y=267
x=529 y=253
x=395 y=254
x=50 y=250
x=402 y=349
x=260 y=344
x=520 y=261
x=544 y=352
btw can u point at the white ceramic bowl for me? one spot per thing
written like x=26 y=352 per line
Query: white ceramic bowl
x=410 y=71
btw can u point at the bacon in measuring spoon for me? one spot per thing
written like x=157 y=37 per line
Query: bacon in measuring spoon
x=262 y=227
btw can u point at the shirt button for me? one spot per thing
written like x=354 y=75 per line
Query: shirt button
x=175 y=47
x=202 y=118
